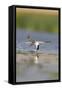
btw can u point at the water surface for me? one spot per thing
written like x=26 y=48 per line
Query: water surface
x=34 y=67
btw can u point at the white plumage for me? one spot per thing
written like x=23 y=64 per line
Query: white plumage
x=35 y=42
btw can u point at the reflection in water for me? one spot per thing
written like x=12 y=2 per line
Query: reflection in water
x=36 y=58
x=33 y=67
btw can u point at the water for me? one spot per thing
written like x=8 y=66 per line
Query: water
x=21 y=38
x=32 y=66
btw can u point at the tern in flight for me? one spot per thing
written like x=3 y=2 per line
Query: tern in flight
x=35 y=42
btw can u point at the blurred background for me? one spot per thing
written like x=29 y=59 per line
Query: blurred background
x=37 y=19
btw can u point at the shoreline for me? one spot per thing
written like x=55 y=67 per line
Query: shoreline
x=39 y=56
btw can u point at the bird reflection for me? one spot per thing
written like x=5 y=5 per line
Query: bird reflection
x=36 y=61
x=36 y=58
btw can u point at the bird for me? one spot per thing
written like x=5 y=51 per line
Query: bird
x=36 y=43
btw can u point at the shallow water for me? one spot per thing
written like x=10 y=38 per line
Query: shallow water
x=35 y=67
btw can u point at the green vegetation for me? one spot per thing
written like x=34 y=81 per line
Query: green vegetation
x=37 y=22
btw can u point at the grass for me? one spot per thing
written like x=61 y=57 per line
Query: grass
x=37 y=22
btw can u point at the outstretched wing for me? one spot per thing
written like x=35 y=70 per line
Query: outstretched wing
x=43 y=42
x=33 y=41
x=47 y=41
x=29 y=43
x=30 y=39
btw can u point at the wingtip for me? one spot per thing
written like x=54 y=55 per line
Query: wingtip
x=48 y=41
x=28 y=37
